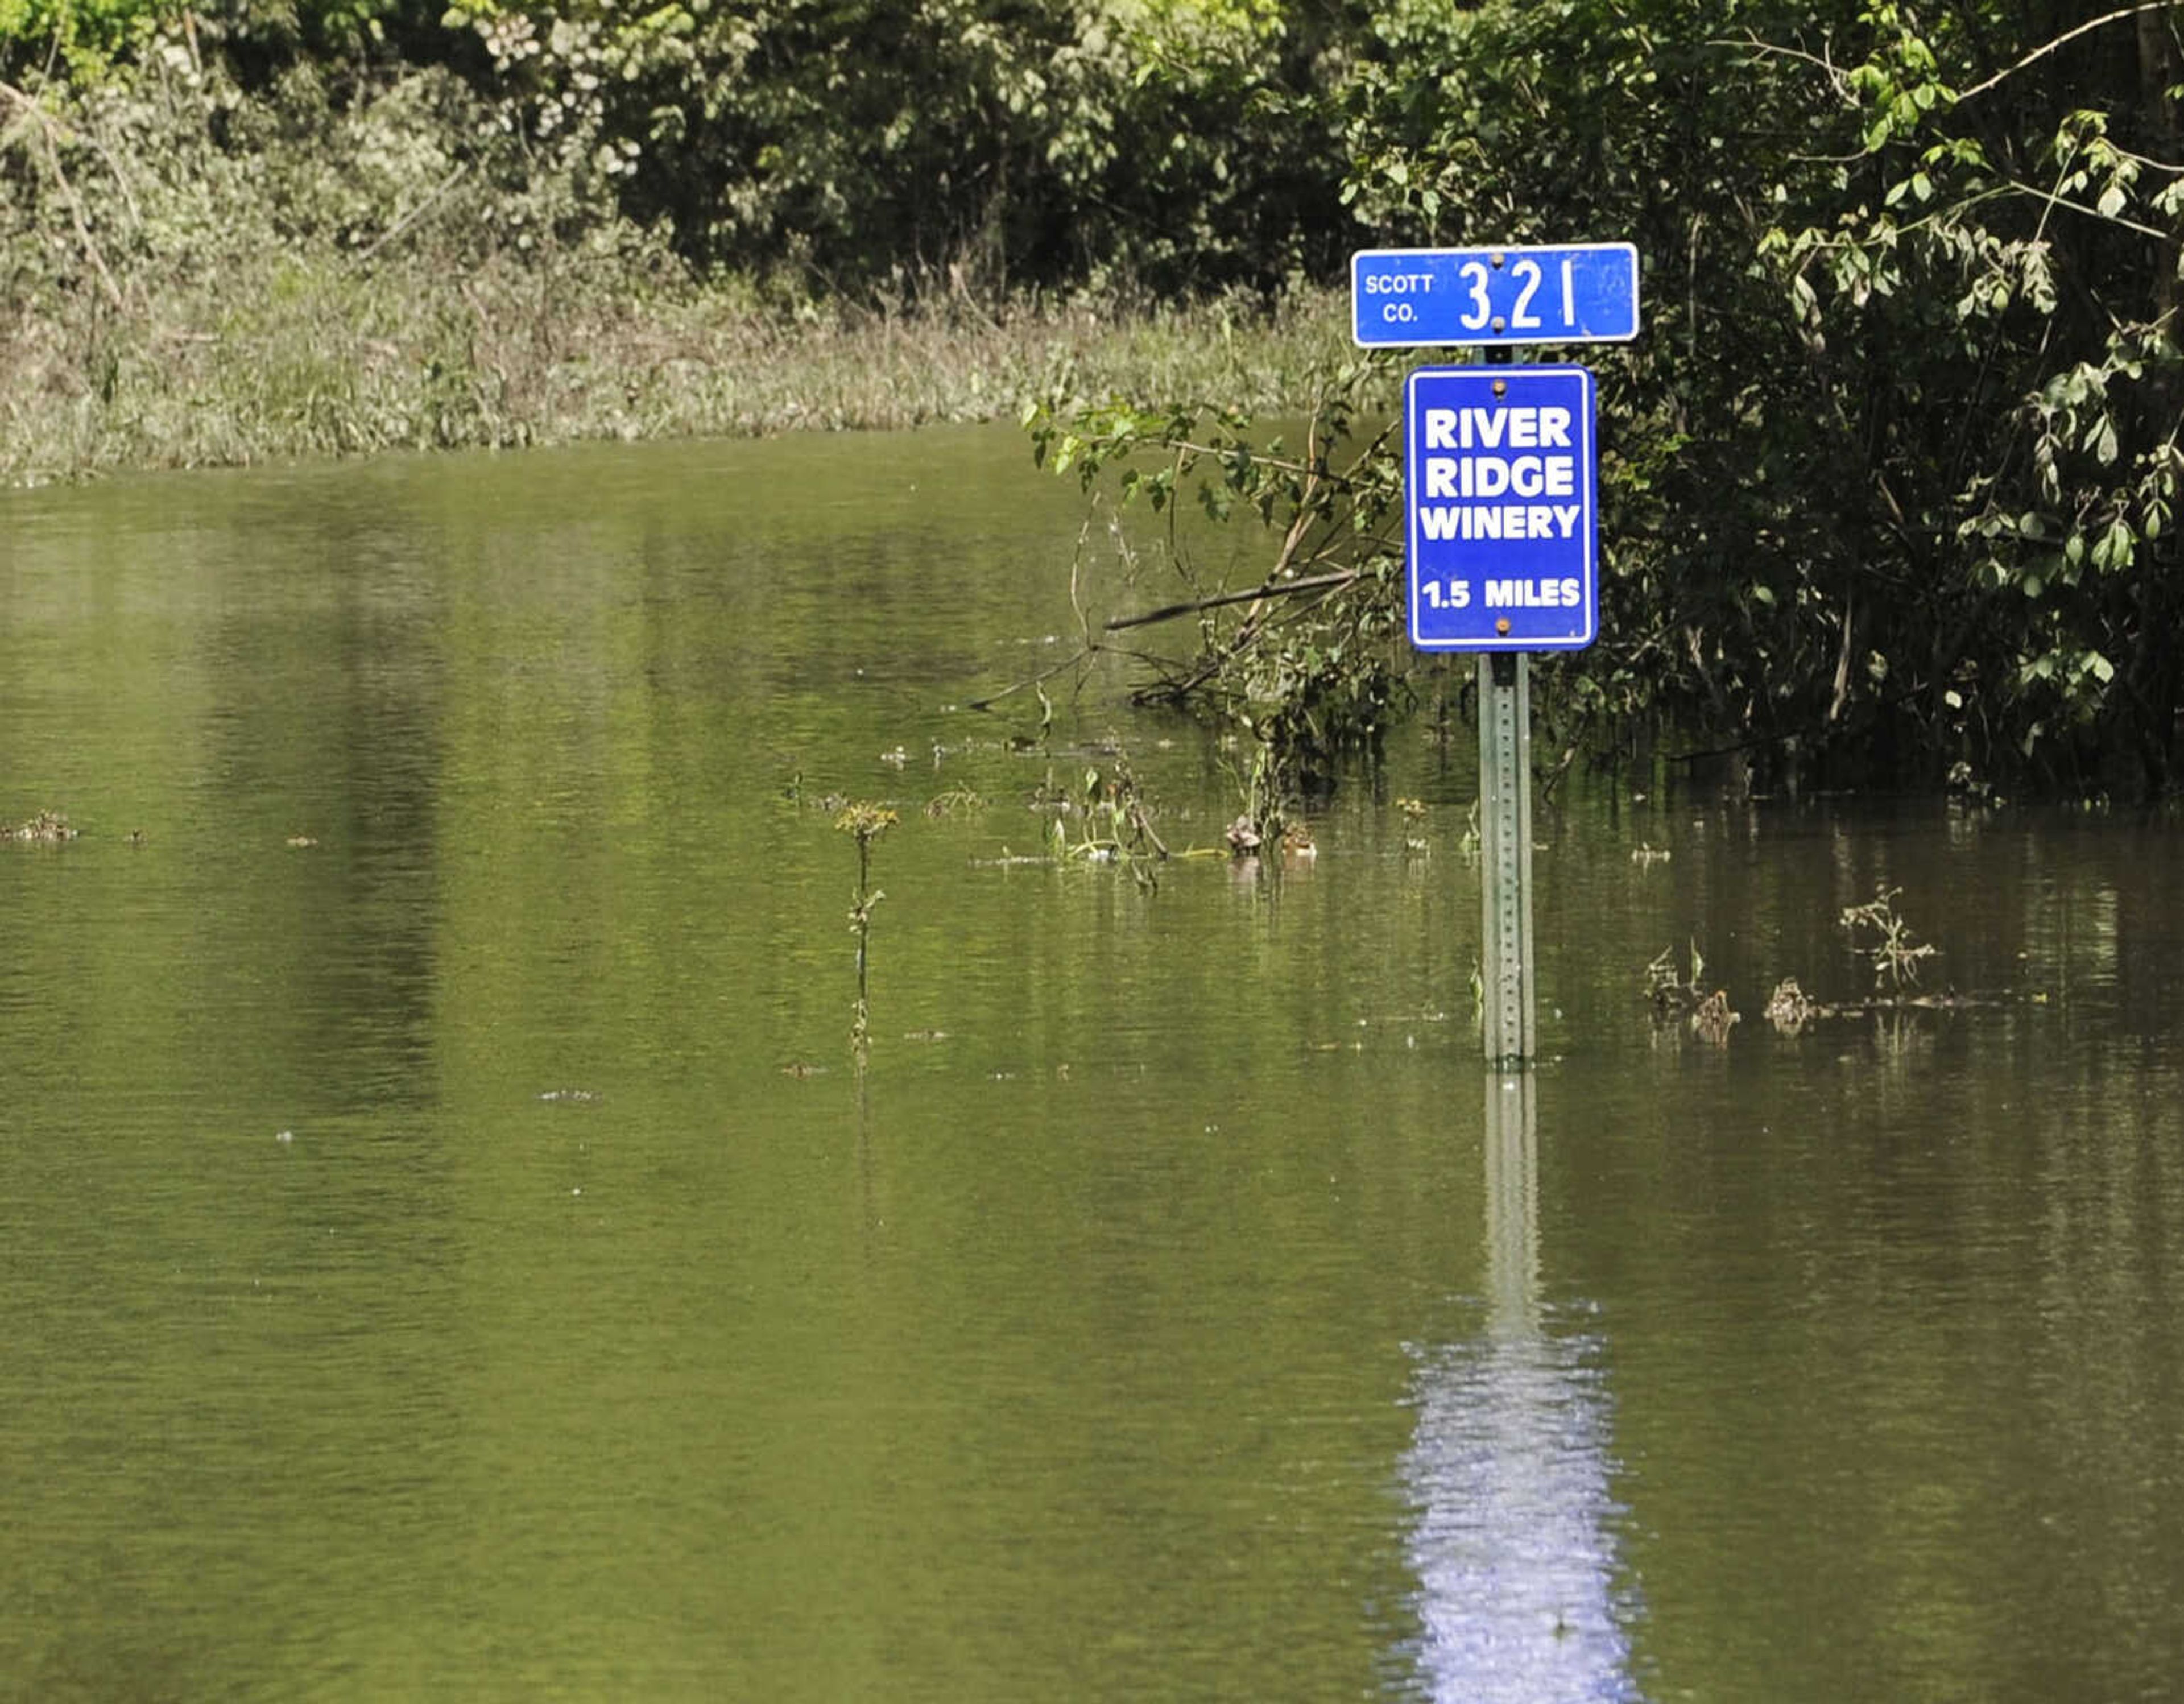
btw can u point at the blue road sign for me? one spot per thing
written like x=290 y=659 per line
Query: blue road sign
x=1583 y=292
x=1501 y=495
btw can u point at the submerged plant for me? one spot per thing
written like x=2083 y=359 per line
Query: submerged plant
x=1712 y=1018
x=1894 y=951
x=1469 y=843
x=1114 y=825
x=1666 y=988
x=1414 y=825
x=1673 y=995
x=864 y=823
x=958 y=801
x=1790 y=1008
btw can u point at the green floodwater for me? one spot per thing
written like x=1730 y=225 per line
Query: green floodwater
x=458 y=1258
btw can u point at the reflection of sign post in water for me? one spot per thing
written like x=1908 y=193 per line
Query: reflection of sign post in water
x=1500 y=479
x=1514 y=1544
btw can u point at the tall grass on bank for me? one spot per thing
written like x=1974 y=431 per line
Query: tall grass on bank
x=191 y=278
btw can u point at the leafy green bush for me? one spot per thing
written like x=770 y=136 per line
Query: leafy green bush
x=1889 y=475
x=83 y=39
x=962 y=145
x=1891 y=470
x=74 y=36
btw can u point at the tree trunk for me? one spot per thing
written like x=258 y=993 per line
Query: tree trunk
x=2158 y=73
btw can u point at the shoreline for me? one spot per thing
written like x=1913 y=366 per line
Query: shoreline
x=328 y=360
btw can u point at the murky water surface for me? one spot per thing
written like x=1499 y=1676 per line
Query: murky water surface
x=457 y=1257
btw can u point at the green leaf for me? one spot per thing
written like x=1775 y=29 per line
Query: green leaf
x=2116 y=547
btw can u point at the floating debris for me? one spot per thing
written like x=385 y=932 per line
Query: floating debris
x=1668 y=991
x=801 y=1069
x=579 y=1096
x=49 y=827
x=303 y=843
x=925 y=1035
x=1712 y=1019
x=1646 y=856
x=956 y=800
x=1790 y=1008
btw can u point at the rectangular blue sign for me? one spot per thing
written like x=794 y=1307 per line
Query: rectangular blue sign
x=1583 y=292
x=1501 y=508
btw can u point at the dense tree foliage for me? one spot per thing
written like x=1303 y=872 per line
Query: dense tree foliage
x=987 y=142
x=973 y=145
x=1892 y=472
x=1898 y=450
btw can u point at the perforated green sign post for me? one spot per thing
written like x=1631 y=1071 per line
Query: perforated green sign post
x=1500 y=487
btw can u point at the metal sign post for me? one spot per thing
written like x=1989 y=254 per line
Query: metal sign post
x=1505 y=858
x=1500 y=483
x=1500 y=493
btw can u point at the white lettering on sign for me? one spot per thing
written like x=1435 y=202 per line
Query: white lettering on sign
x=1397 y=283
x=1499 y=480
x=1486 y=475
x=1521 y=428
x=1499 y=521
x=1531 y=594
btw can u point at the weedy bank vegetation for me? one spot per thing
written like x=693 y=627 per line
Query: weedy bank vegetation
x=233 y=233
x=180 y=293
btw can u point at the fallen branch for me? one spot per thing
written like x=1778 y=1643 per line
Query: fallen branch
x=47 y=125
x=416 y=213
x=1315 y=582
x=1044 y=675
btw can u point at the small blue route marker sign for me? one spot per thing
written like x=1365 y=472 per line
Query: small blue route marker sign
x=1500 y=491
x=1579 y=292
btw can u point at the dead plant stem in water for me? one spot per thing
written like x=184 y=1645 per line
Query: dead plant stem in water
x=864 y=822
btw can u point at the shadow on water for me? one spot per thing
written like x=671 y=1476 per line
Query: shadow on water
x=1514 y=1544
